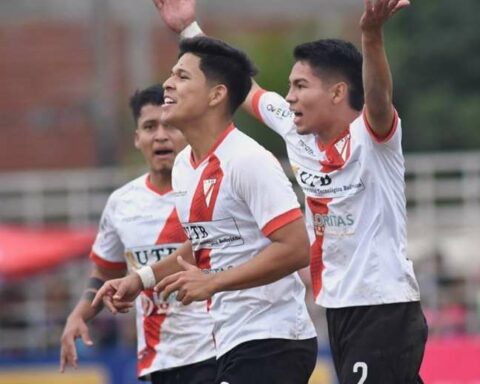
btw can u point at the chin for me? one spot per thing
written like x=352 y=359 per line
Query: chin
x=302 y=130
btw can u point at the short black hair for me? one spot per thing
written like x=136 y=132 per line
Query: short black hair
x=335 y=57
x=223 y=64
x=151 y=95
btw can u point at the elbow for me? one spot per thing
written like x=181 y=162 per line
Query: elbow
x=304 y=258
x=301 y=255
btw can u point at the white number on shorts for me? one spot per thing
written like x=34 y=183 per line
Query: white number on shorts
x=363 y=366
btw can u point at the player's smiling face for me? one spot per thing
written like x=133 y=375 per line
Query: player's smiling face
x=186 y=92
x=310 y=99
x=159 y=144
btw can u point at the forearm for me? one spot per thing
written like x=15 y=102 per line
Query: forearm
x=377 y=81
x=169 y=264
x=273 y=263
x=84 y=308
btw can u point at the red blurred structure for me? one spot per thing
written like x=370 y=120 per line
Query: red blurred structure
x=25 y=251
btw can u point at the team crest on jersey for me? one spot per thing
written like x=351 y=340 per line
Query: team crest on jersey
x=208 y=186
x=343 y=147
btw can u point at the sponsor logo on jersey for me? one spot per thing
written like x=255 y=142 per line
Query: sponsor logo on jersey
x=279 y=112
x=340 y=225
x=331 y=185
x=305 y=147
x=140 y=256
x=221 y=233
x=312 y=180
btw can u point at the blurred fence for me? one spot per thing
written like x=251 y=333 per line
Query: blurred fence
x=443 y=190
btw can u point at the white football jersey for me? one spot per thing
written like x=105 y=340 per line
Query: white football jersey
x=140 y=226
x=355 y=209
x=228 y=204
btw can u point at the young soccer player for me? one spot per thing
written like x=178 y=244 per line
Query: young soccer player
x=246 y=233
x=140 y=226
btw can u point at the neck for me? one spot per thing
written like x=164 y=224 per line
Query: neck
x=332 y=132
x=203 y=134
x=162 y=181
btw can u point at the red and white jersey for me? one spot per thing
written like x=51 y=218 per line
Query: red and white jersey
x=140 y=226
x=228 y=204
x=355 y=209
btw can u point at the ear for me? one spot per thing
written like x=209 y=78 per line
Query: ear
x=218 y=94
x=339 y=92
x=136 y=139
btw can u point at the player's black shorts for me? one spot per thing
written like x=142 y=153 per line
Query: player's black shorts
x=378 y=344
x=203 y=372
x=269 y=361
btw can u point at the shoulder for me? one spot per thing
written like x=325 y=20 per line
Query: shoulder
x=183 y=157
x=135 y=186
x=250 y=163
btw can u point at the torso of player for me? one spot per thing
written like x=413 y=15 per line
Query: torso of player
x=224 y=234
x=140 y=226
x=355 y=211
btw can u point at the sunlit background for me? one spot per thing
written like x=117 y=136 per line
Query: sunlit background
x=67 y=68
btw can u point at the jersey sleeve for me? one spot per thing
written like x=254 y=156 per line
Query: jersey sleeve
x=107 y=250
x=274 y=111
x=394 y=138
x=261 y=182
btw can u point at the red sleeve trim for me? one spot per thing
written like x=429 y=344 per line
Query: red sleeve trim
x=106 y=264
x=281 y=220
x=378 y=139
x=256 y=103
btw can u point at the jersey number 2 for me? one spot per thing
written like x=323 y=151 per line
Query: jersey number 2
x=364 y=367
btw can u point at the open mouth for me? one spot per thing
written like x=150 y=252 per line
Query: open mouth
x=168 y=101
x=163 y=152
x=297 y=116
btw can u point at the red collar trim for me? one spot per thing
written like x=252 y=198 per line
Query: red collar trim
x=324 y=147
x=219 y=141
x=153 y=188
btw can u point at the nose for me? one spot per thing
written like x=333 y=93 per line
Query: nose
x=168 y=83
x=161 y=134
x=291 y=96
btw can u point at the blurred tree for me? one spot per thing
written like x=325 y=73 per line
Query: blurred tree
x=434 y=50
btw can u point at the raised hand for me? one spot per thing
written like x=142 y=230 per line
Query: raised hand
x=192 y=284
x=377 y=12
x=176 y=14
x=117 y=295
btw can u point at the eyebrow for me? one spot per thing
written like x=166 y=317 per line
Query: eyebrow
x=143 y=123
x=179 y=71
x=296 y=81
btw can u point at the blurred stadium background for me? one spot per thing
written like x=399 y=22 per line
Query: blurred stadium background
x=67 y=69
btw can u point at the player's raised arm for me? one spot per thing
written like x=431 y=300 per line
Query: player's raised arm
x=377 y=78
x=180 y=17
x=76 y=326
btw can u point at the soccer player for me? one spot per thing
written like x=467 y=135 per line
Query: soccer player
x=343 y=139
x=247 y=237
x=140 y=226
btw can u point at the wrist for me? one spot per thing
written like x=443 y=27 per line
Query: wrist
x=372 y=36
x=215 y=283
x=191 y=30
x=146 y=277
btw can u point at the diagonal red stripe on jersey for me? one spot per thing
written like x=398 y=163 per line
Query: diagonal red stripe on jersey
x=151 y=326
x=203 y=204
x=318 y=207
x=204 y=199
x=172 y=231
